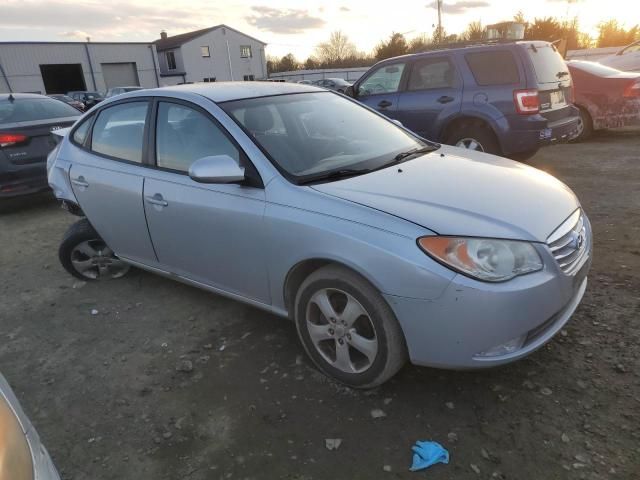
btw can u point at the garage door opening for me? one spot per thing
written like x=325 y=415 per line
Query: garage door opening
x=62 y=78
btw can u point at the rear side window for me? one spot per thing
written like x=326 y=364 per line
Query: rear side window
x=547 y=62
x=80 y=133
x=119 y=131
x=33 y=109
x=493 y=68
x=431 y=73
x=185 y=135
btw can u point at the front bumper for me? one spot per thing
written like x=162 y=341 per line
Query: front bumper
x=472 y=317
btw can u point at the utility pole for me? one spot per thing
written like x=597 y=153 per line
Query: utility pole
x=439 y=21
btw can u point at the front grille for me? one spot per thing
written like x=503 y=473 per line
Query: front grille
x=569 y=243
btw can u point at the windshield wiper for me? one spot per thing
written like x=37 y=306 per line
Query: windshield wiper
x=413 y=152
x=336 y=174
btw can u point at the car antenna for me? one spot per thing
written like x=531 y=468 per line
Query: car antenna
x=11 y=97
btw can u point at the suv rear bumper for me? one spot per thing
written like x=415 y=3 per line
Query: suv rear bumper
x=529 y=133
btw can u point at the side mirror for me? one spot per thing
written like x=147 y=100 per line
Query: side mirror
x=350 y=91
x=216 y=169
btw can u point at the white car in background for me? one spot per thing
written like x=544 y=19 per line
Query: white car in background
x=627 y=59
x=22 y=455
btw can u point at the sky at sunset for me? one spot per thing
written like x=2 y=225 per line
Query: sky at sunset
x=286 y=25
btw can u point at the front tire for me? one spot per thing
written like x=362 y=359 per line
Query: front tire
x=348 y=329
x=86 y=256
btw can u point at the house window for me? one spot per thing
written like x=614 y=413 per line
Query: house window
x=249 y=78
x=205 y=51
x=245 y=51
x=209 y=79
x=171 y=60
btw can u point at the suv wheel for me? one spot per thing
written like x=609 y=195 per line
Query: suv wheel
x=474 y=137
x=347 y=328
x=85 y=255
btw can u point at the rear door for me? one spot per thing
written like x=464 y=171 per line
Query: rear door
x=379 y=88
x=107 y=177
x=433 y=94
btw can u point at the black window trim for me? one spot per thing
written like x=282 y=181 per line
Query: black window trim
x=403 y=78
x=456 y=82
x=86 y=146
x=253 y=178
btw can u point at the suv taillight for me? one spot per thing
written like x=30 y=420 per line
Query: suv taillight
x=633 y=90
x=527 y=102
x=10 y=139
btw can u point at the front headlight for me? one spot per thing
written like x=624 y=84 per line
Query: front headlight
x=15 y=455
x=483 y=258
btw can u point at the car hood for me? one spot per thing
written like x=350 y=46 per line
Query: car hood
x=458 y=192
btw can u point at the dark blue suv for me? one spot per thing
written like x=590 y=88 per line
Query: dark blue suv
x=503 y=98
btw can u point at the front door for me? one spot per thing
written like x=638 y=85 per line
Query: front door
x=210 y=233
x=379 y=89
x=433 y=93
x=108 y=176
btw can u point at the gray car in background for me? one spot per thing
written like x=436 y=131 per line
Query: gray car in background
x=22 y=455
x=380 y=245
x=337 y=84
x=112 y=92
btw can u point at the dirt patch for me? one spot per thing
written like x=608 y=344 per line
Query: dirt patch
x=112 y=397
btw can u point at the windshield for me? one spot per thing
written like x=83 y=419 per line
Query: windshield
x=310 y=135
x=595 y=68
x=32 y=109
x=547 y=63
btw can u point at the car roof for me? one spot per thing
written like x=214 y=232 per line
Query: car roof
x=228 y=91
x=18 y=96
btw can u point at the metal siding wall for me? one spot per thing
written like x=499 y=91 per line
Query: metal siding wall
x=22 y=62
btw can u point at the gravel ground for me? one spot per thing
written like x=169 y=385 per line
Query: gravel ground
x=167 y=381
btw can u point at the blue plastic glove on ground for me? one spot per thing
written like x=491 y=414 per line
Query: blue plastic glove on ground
x=426 y=454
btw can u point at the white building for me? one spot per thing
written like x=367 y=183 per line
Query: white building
x=217 y=53
x=59 y=67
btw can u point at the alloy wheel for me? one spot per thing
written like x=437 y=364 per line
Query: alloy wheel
x=94 y=260
x=470 y=144
x=341 y=330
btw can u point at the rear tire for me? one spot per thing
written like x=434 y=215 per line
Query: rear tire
x=474 y=136
x=585 y=126
x=355 y=337
x=84 y=254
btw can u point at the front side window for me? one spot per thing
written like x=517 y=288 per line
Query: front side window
x=205 y=51
x=245 y=51
x=184 y=135
x=631 y=49
x=493 y=68
x=384 y=80
x=119 y=131
x=171 y=60
x=431 y=73
x=309 y=135
x=31 y=109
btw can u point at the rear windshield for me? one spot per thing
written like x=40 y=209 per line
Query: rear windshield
x=547 y=62
x=595 y=68
x=32 y=109
x=493 y=68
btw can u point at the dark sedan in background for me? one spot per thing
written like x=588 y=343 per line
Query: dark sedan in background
x=606 y=97
x=26 y=123
x=69 y=101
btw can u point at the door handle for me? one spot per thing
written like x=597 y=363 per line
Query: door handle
x=157 y=200
x=384 y=104
x=445 y=99
x=80 y=182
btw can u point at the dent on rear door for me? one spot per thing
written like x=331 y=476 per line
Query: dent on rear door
x=112 y=201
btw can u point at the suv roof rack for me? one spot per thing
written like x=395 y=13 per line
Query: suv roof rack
x=469 y=43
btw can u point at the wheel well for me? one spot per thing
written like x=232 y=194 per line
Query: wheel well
x=462 y=122
x=301 y=271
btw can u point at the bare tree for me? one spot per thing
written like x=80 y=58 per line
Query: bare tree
x=336 y=50
x=474 y=31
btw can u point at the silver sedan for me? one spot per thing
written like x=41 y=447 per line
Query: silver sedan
x=380 y=245
x=22 y=455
